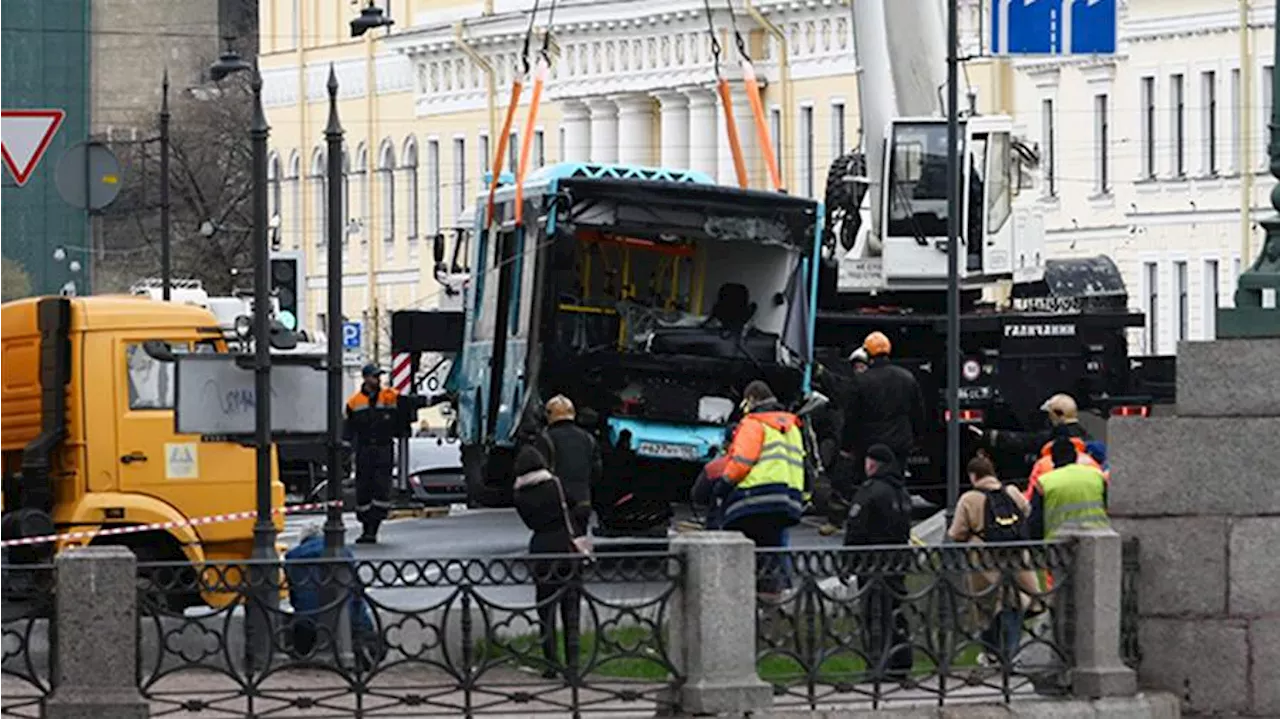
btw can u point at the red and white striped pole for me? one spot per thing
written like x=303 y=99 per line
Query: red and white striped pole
x=402 y=372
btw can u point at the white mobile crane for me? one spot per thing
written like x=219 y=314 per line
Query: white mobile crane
x=1030 y=326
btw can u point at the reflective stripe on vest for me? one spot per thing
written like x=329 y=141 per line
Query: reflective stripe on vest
x=1073 y=498
x=781 y=460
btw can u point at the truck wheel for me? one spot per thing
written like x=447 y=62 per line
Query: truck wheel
x=163 y=590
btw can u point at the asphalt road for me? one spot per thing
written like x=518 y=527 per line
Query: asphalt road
x=475 y=533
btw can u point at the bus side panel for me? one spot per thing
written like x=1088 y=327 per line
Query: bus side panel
x=473 y=395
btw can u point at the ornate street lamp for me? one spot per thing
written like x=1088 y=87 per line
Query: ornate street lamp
x=1257 y=312
x=371 y=18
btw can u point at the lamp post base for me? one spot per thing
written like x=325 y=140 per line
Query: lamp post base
x=1257 y=310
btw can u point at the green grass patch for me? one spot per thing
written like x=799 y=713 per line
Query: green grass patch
x=619 y=653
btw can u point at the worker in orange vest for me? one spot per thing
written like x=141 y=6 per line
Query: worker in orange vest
x=1064 y=421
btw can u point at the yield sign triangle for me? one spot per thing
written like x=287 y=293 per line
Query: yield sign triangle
x=24 y=136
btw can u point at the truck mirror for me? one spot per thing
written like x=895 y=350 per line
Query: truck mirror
x=158 y=350
x=437 y=247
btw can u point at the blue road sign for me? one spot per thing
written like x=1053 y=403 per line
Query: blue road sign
x=1053 y=27
x=351 y=332
x=1090 y=27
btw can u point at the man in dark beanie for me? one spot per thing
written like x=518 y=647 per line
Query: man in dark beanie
x=880 y=514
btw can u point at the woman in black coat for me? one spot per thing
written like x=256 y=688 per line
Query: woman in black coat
x=541 y=503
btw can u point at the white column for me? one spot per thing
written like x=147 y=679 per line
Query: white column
x=673 y=130
x=745 y=123
x=704 y=144
x=635 y=129
x=577 y=132
x=604 y=130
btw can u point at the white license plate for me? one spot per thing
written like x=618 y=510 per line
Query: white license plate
x=665 y=450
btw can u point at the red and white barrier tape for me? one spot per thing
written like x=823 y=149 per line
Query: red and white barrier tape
x=133 y=529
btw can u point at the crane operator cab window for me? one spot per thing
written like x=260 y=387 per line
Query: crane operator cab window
x=916 y=197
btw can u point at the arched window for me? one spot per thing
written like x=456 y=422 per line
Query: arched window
x=275 y=192
x=360 y=211
x=295 y=198
x=346 y=193
x=319 y=202
x=410 y=168
x=387 y=190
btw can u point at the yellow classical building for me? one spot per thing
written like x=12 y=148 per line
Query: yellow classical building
x=631 y=81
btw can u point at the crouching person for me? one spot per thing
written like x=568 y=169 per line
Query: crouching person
x=541 y=502
x=315 y=623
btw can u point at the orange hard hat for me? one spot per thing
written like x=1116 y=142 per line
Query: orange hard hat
x=876 y=344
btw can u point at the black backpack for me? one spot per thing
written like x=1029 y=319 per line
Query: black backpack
x=1003 y=520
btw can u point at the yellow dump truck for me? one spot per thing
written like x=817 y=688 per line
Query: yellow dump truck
x=89 y=438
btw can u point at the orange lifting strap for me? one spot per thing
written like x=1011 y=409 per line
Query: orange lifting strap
x=526 y=140
x=762 y=129
x=722 y=87
x=731 y=129
x=516 y=87
x=757 y=107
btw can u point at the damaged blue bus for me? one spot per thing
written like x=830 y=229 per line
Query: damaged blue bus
x=649 y=297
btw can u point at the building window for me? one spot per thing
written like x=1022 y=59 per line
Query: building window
x=275 y=197
x=1102 y=140
x=485 y=168
x=410 y=166
x=539 y=148
x=560 y=140
x=775 y=129
x=1236 y=103
x=387 y=188
x=1184 y=316
x=295 y=200
x=319 y=204
x=1211 y=298
x=433 y=186
x=346 y=195
x=806 y=151
x=459 y=176
x=1209 y=121
x=513 y=152
x=1151 y=272
x=837 y=129
x=1178 y=100
x=1048 y=134
x=1148 y=127
x=360 y=217
x=1265 y=120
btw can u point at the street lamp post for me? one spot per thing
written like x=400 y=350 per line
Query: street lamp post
x=262 y=578
x=953 y=263
x=264 y=530
x=166 y=269
x=1256 y=312
x=334 y=530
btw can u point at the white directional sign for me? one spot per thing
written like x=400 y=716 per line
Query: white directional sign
x=25 y=135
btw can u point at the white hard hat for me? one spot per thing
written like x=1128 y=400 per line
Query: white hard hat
x=860 y=355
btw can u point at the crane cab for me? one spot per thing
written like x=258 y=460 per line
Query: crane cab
x=998 y=238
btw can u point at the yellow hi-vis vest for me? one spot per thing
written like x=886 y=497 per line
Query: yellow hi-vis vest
x=1074 y=497
x=775 y=483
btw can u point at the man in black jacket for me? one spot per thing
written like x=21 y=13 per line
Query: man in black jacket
x=880 y=514
x=888 y=408
x=573 y=455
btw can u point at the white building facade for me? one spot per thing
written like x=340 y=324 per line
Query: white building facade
x=1143 y=157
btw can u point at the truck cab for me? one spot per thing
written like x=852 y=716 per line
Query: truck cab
x=89 y=438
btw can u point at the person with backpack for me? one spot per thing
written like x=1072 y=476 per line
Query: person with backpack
x=558 y=528
x=993 y=512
